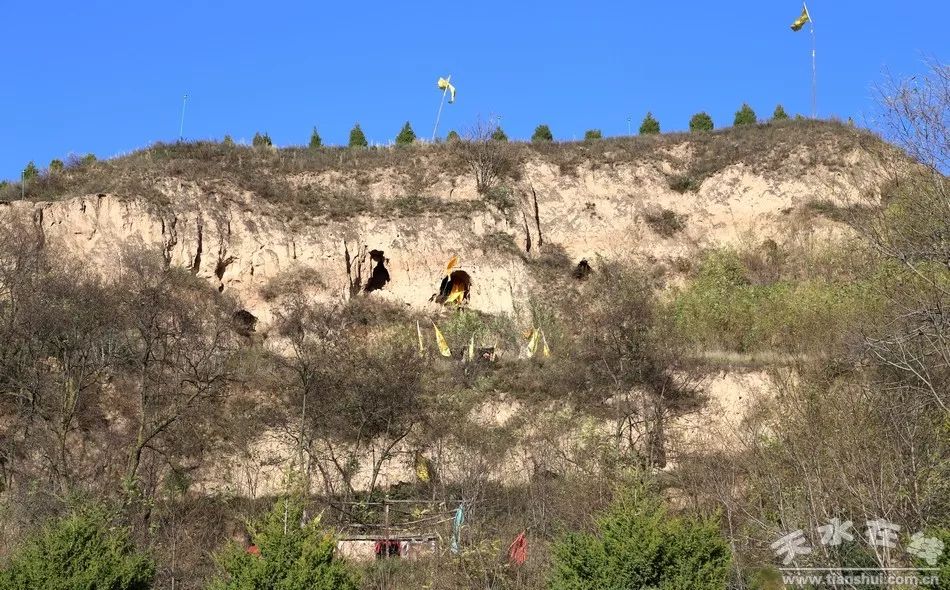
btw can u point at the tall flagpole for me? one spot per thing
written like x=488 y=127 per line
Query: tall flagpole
x=435 y=130
x=181 y=127
x=814 y=76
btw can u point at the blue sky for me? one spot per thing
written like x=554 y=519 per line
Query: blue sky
x=108 y=77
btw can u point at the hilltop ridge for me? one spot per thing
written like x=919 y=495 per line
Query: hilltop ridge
x=244 y=217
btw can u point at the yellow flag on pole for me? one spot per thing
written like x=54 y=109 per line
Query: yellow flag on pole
x=422 y=468
x=440 y=341
x=544 y=345
x=451 y=264
x=804 y=18
x=444 y=85
x=422 y=348
x=471 y=349
x=532 y=345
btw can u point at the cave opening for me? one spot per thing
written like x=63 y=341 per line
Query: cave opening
x=582 y=270
x=380 y=274
x=455 y=288
x=245 y=322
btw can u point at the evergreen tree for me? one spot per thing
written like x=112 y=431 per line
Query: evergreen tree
x=649 y=126
x=357 y=137
x=31 y=171
x=542 y=133
x=744 y=116
x=315 y=140
x=56 y=166
x=84 y=550
x=593 y=135
x=88 y=159
x=499 y=134
x=453 y=136
x=779 y=114
x=701 y=122
x=406 y=135
x=639 y=545
x=228 y=141
x=289 y=556
x=261 y=140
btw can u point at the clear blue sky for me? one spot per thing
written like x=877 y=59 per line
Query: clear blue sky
x=108 y=77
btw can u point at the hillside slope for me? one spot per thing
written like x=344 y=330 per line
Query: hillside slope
x=244 y=217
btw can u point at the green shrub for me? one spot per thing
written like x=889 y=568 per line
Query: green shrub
x=228 y=141
x=779 y=114
x=744 y=116
x=499 y=134
x=357 y=137
x=701 y=122
x=82 y=551
x=593 y=135
x=88 y=159
x=943 y=559
x=31 y=171
x=315 y=140
x=56 y=165
x=722 y=308
x=542 y=133
x=649 y=126
x=406 y=135
x=453 y=136
x=291 y=556
x=261 y=140
x=639 y=545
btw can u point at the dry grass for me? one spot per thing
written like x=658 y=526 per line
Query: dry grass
x=665 y=222
x=265 y=172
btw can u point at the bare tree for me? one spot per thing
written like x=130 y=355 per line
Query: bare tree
x=355 y=394
x=627 y=364
x=489 y=160
x=911 y=230
x=180 y=347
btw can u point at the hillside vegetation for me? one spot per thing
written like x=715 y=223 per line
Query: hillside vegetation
x=146 y=410
x=274 y=174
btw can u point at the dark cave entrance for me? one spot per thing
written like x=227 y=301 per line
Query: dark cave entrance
x=582 y=270
x=245 y=322
x=380 y=274
x=455 y=288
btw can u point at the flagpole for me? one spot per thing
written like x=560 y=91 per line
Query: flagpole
x=438 y=116
x=814 y=76
x=181 y=126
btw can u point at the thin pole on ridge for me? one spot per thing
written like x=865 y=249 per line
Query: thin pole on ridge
x=814 y=75
x=181 y=126
x=438 y=116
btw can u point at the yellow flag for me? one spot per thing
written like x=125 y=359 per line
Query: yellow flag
x=532 y=345
x=444 y=84
x=452 y=263
x=440 y=340
x=422 y=348
x=804 y=18
x=422 y=468
x=544 y=341
x=456 y=295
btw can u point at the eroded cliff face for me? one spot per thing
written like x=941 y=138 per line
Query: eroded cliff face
x=240 y=243
x=246 y=245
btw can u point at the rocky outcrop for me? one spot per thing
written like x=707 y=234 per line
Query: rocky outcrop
x=240 y=243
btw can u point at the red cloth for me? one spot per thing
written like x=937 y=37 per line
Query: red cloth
x=254 y=550
x=518 y=550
